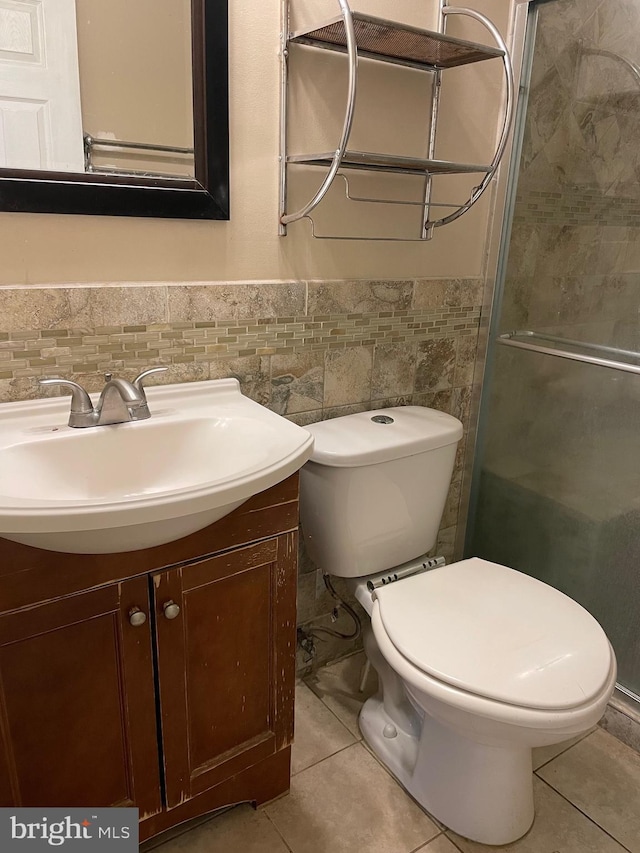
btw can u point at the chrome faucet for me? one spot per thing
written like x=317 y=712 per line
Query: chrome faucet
x=121 y=401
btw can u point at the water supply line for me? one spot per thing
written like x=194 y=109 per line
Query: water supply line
x=307 y=634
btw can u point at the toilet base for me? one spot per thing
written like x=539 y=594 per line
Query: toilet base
x=484 y=793
x=397 y=753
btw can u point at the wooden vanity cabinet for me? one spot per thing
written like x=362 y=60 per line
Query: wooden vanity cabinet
x=179 y=713
x=77 y=703
x=226 y=645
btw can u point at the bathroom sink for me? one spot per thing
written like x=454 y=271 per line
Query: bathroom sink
x=205 y=450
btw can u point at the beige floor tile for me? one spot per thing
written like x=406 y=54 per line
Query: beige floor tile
x=240 y=830
x=337 y=685
x=318 y=732
x=601 y=776
x=544 y=754
x=558 y=828
x=349 y=804
x=441 y=844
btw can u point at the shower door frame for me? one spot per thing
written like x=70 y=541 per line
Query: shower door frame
x=522 y=22
x=523 y=26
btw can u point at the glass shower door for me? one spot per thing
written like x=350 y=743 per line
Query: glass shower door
x=557 y=482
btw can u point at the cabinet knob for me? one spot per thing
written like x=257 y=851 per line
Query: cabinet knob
x=171 y=609
x=137 y=617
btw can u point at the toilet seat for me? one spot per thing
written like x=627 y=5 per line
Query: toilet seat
x=455 y=701
x=489 y=631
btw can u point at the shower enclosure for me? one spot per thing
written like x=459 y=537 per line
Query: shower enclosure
x=556 y=488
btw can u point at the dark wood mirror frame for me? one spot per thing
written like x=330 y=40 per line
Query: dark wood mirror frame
x=206 y=197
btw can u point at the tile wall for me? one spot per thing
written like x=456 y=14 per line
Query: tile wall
x=573 y=267
x=308 y=350
x=558 y=494
x=574 y=259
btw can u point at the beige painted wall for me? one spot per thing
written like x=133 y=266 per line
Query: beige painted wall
x=135 y=69
x=49 y=249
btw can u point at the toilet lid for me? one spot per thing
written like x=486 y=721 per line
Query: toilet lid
x=496 y=632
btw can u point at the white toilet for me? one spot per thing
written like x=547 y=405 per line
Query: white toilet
x=477 y=663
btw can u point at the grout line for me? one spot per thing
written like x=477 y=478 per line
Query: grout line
x=426 y=843
x=358 y=737
x=326 y=758
x=274 y=825
x=588 y=817
x=437 y=823
x=448 y=837
x=566 y=749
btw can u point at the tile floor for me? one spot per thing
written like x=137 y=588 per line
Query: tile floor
x=343 y=801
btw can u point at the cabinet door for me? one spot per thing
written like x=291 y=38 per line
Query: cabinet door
x=77 y=708
x=226 y=661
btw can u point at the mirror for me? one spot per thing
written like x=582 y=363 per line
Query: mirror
x=107 y=111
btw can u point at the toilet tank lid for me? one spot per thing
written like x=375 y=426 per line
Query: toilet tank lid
x=367 y=438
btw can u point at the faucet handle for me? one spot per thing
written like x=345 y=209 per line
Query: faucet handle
x=137 y=382
x=80 y=401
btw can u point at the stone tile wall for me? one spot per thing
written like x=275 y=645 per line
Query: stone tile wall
x=573 y=268
x=558 y=493
x=307 y=350
x=574 y=261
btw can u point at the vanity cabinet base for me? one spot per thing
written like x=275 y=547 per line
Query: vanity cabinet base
x=161 y=679
x=256 y=785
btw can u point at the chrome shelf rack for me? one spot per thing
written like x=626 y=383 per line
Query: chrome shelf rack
x=364 y=36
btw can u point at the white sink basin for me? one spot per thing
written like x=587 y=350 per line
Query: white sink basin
x=205 y=450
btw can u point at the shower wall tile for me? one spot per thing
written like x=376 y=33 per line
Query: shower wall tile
x=515 y=310
x=525 y=248
x=573 y=271
x=574 y=250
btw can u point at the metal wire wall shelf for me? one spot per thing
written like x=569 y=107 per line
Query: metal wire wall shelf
x=364 y=36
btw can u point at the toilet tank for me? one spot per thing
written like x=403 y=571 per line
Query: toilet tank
x=373 y=493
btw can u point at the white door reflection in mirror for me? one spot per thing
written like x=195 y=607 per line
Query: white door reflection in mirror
x=40 y=111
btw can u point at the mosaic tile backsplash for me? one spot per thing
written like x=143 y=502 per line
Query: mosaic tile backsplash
x=307 y=350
